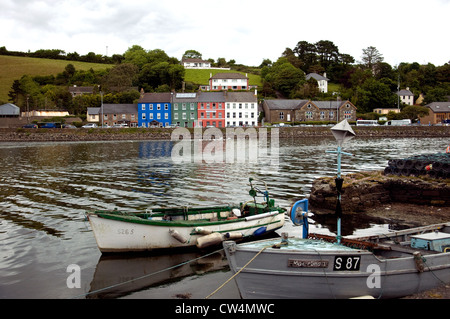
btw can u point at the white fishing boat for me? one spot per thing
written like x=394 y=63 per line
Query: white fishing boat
x=390 y=265
x=183 y=227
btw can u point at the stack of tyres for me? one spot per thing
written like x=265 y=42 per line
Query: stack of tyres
x=433 y=165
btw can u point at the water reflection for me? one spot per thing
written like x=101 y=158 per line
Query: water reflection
x=120 y=275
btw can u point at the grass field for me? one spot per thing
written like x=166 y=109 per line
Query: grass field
x=13 y=68
x=202 y=76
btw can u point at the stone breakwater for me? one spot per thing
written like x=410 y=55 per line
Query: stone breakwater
x=59 y=135
x=365 y=190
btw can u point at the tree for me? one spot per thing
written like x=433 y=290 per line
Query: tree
x=121 y=77
x=413 y=112
x=371 y=56
x=374 y=94
x=283 y=77
x=192 y=54
x=327 y=52
x=306 y=52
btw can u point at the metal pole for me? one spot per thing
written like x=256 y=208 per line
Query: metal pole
x=101 y=98
x=338 y=237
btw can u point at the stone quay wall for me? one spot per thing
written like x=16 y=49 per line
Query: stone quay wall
x=40 y=135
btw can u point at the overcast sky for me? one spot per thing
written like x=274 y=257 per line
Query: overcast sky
x=243 y=30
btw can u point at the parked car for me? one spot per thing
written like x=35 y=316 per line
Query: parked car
x=90 y=125
x=30 y=126
x=69 y=126
x=50 y=125
x=120 y=125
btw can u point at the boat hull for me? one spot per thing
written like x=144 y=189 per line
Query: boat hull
x=298 y=274
x=121 y=236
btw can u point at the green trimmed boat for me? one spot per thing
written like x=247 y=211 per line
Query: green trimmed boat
x=182 y=227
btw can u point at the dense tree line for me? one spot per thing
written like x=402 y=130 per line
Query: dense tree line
x=369 y=83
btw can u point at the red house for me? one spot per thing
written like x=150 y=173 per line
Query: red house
x=211 y=109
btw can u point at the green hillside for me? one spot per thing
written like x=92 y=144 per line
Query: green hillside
x=203 y=76
x=13 y=68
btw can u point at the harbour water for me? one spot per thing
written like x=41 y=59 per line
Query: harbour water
x=47 y=187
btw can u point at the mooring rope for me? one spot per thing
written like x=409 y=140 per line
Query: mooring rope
x=237 y=273
x=145 y=276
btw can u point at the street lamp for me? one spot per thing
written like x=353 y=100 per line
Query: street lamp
x=342 y=132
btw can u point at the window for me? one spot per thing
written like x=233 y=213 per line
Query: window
x=308 y=115
x=175 y=116
x=322 y=115
x=184 y=116
x=175 y=106
x=158 y=106
x=143 y=116
x=166 y=107
x=183 y=107
x=150 y=116
x=166 y=116
x=143 y=107
x=347 y=114
x=158 y=116
x=281 y=115
x=151 y=107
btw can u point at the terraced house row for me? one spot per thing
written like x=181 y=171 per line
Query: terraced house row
x=217 y=109
x=205 y=109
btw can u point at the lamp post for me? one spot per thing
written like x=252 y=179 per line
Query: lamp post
x=342 y=132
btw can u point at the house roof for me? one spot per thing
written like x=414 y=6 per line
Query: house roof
x=229 y=76
x=240 y=97
x=114 y=109
x=285 y=104
x=405 y=93
x=156 y=98
x=93 y=110
x=9 y=109
x=191 y=60
x=211 y=97
x=185 y=97
x=316 y=77
x=439 y=107
x=81 y=89
x=329 y=104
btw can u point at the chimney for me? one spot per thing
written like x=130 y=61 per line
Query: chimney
x=256 y=92
x=324 y=74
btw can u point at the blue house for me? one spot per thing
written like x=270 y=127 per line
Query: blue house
x=155 y=109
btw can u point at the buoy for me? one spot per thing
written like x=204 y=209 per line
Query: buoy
x=448 y=149
x=209 y=240
x=233 y=235
x=202 y=231
x=260 y=231
x=429 y=167
x=175 y=234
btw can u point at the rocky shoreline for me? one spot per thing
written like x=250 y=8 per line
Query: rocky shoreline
x=61 y=135
x=412 y=201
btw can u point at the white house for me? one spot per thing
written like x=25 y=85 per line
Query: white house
x=406 y=96
x=196 y=64
x=228 y=81
x=322 y=81
x=241 y=108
